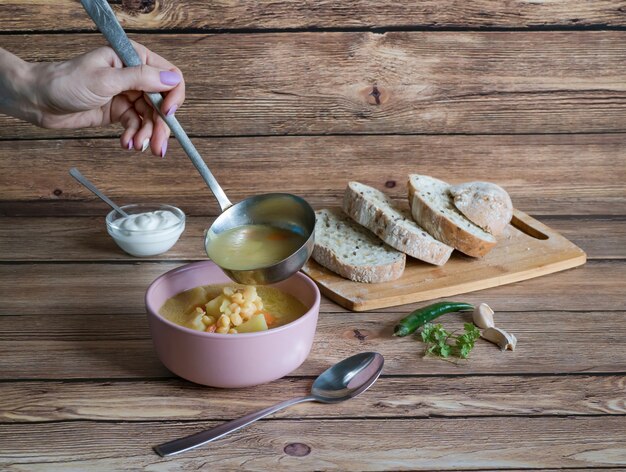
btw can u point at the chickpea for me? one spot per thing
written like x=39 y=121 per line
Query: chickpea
x=236 y=319
x=224 y=321
x=222 y=330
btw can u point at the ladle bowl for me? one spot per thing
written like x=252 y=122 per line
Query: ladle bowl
x=280 y=210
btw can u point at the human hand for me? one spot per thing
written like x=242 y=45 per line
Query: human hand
x=95 y=89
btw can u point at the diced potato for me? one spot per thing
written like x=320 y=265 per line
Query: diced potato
x=196 y=323
x=213 y=307
x=194 y=297
x=256 y=323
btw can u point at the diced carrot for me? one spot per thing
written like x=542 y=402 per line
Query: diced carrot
x=269 y=319
x=211 y=329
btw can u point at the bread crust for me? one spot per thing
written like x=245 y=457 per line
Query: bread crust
x=374 y=210
x=443 y=228
x=366 y=273
x=485 y=204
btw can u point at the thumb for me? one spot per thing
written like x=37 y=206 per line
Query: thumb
x=145 y=78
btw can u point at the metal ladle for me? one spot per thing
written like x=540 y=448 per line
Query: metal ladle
x=274 y=209
x=342 y=381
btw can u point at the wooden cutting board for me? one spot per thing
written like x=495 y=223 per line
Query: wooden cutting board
x=526 y=249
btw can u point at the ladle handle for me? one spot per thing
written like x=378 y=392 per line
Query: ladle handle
x=104 y=18
x=203 y=437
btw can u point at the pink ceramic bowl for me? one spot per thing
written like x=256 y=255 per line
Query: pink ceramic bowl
x=229 y=360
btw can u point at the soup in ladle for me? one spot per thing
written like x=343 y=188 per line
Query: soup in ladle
x=255 y=246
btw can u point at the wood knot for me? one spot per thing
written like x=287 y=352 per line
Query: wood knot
x=57 y=192
x=375 y=95
x=359 y=335
x=390 y=184
x=135 y=7
x=297 y=450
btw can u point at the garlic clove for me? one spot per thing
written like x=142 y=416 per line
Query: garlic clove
x=483 y=316
x=500 y=337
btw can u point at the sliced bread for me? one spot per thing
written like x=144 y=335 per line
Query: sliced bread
x=433 y=209
x=353 y=252
x=484 y=204
x=393 y=224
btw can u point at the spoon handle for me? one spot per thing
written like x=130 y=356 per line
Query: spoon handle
x=74 y=172
x=198 y=439
x=104 y=18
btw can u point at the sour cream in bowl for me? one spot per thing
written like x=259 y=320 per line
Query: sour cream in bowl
x=148 y=230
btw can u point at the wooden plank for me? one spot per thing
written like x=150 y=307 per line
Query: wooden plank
x=427 y=82
x=602 y=238
x=85 y=238
x=544 y=174
x=439 y=443
x=526 y=249
x=77 y=288
x=26 y=15
x=407 y=397
x=108 y=346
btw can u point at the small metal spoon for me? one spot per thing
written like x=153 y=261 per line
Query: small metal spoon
x=344 y=380
x=278 y=209
x=74 y=172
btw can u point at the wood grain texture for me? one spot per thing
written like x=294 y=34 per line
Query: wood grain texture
x=70 y=239
x=210 y=15
x=406 y=397
x=119 y=346
x=555 y=174
x=429 y=82
x=526 y=249
x=84 y=288
x=410 y=444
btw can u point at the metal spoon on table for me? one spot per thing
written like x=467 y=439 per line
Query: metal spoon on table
x=344 y=380
x=74 y=172
x=274 y=209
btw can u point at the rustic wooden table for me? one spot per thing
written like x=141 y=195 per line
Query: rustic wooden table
x=302 y=97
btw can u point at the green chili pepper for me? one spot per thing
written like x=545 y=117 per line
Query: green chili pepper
x=421 y=316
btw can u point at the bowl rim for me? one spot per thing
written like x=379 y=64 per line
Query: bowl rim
x=312 y=311
x=180 y=214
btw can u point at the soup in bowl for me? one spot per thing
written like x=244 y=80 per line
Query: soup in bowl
x=181 y=304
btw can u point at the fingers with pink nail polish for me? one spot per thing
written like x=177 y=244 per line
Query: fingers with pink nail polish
x=169 y=77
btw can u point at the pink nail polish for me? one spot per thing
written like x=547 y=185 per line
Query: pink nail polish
x=172 y=110
x=169 y=78
x=130 y=144
x=163 y=148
